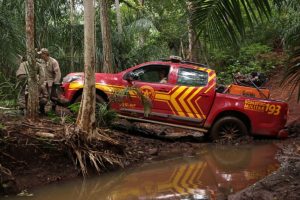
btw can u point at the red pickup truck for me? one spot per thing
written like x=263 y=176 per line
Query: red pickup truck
x=185 y=94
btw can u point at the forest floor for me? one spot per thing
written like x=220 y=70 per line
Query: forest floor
x=35 y=154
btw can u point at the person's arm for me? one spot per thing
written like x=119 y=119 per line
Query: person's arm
x=21 y=72
x=41 y=73
x=57 y=72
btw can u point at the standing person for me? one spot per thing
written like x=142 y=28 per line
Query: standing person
x=22 y=76
x=52 y=75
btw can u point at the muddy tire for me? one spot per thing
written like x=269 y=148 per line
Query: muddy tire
x=228 y=129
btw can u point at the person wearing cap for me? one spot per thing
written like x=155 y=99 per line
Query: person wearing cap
x=52 y=74
x=22 y=75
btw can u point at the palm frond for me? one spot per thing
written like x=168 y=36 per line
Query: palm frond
x=292 y=75
x=222 y=22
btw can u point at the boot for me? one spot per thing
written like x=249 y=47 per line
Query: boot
x=42 y=110
x=53 y=107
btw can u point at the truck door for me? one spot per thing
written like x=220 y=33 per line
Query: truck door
x=150 y=80
x=194 y=93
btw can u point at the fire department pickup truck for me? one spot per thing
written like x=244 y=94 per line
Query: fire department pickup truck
x=185 y=94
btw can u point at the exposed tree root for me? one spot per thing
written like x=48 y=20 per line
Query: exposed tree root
x=100 y=150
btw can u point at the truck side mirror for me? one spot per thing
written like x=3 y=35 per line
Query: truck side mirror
x=130 y=77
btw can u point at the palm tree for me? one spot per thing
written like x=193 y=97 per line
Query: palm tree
x=221 y=22
x=292 y=43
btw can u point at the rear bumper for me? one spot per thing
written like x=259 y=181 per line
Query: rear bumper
x=283 y=133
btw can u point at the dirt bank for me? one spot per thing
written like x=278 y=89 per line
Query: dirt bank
x=284 y=93
x=282 y=184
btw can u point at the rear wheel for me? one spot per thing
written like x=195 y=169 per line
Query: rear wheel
x=228 y=129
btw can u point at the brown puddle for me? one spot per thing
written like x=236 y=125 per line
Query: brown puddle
x=213 y=173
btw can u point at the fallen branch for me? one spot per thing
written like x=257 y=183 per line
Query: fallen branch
x=5 y=171
x=13 y=158
x=34 y=126
x=3 y=108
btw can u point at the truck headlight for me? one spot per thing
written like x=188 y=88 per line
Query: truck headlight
x=72 y=77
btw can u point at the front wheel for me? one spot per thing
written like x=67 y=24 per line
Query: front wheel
x=228 y=129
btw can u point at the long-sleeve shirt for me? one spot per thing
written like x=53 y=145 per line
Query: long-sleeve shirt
x=24 y=69
x=52 y=72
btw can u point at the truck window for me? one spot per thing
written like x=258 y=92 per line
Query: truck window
x=192 y=77
x=152 y=73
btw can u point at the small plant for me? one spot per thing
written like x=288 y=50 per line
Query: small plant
x=62 y=119
x=104 y=115
x=74 y=107
x=9 y=91
x=53 y=117
x=127 y=93
x=2 y=127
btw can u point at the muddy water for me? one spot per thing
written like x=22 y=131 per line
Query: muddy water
x=212 y=173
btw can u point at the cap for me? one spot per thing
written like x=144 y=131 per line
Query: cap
x=43 y=50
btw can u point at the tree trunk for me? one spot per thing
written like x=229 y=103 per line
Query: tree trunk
x=33 y=95
x=106 y=38
x=72 y=8
x=119 y=17
x=86 y=115
x=142 y=2
x=193 y=52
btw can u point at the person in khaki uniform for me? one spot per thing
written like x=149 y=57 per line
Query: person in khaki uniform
x=22 y=75
x=52 y=75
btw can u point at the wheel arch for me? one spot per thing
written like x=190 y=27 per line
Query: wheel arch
x=98 y=91
x=245 y=119
x=102 y=94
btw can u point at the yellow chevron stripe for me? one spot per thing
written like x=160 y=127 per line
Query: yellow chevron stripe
x=202 y=170
x=174 y=102
x=202 y=114
x=211 y=77
x=162 y=97
x=192 y=105
x=175 y=183
x=183 y=103
x=198 y=106
x=185 y=180
x=210 y=88
x=201 y=68
x=166 y=101
x=193 y=179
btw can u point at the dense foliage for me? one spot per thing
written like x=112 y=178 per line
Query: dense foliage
x=236 y=35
